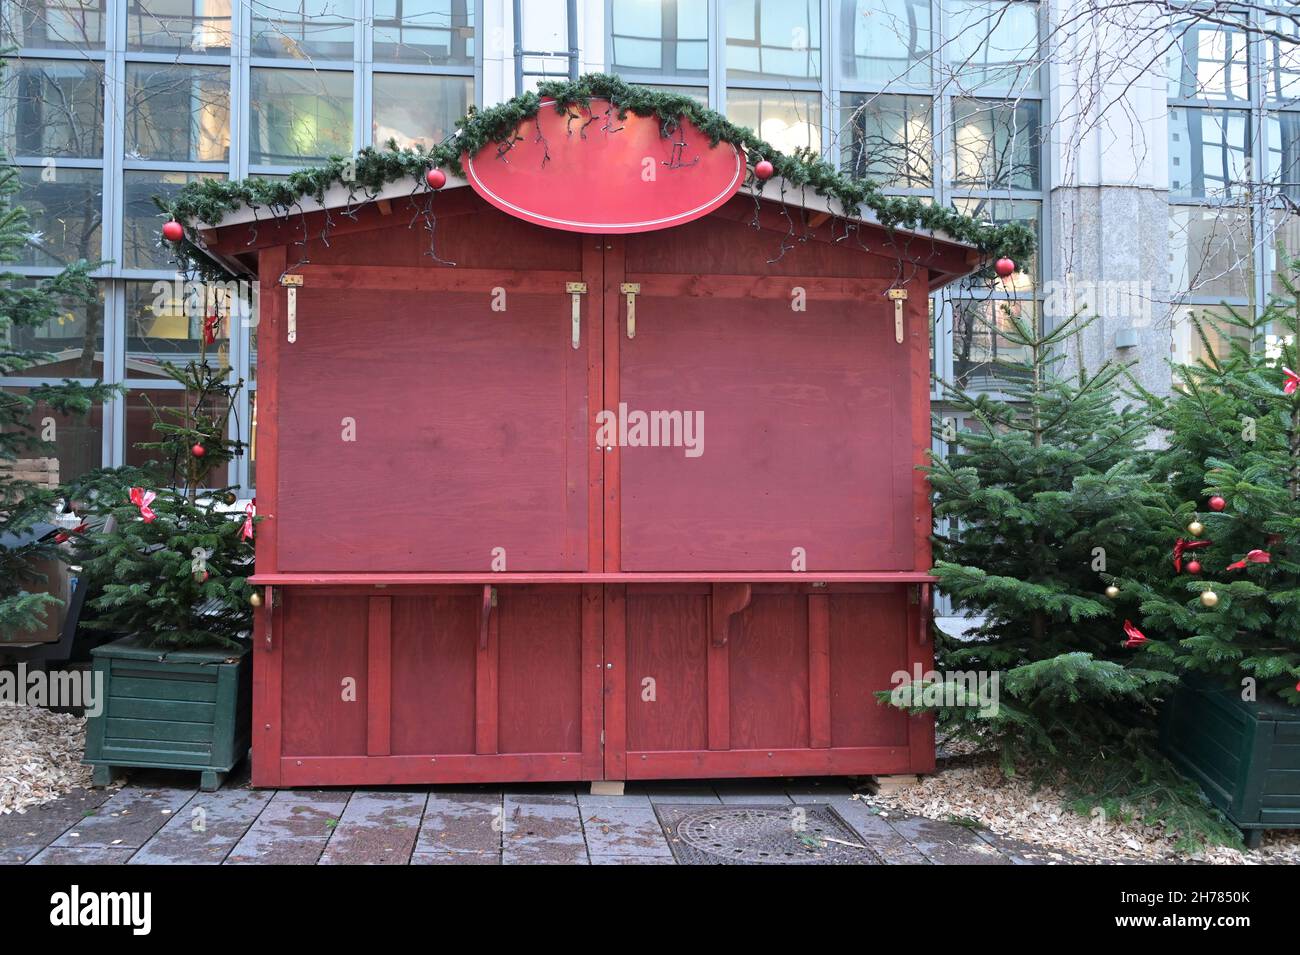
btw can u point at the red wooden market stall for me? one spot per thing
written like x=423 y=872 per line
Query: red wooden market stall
x=599 y=463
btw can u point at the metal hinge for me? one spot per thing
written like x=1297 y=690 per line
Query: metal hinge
x=292 y=283
x=898 y=296
x=631 y=290
x=577 y=290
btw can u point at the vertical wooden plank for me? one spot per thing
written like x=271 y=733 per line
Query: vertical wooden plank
x=920 y=728
x=268 y=723
x=486 y=688
x=615 y=682
x=271 y=304
x=379 y=678
x=615 y=273
x=593 y=682
x=917 y=311
x=819 y=671
x=268 y=624
x=593 y=273
x=719 y=691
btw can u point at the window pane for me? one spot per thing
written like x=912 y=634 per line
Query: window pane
x=1210 y=251
x=886 y=41
x=996 y=144
x=1206 y=60
x=52 y=108
x=65 y=208
x=1188 y=346
x=299 y=116
x=74 y=338
x=773 y=38
x=178 y=26
x=430 y=32
x=992 y=43
x=981 y=354
x=1208 y=151
x=1282 y=147
x=76 y=442
x=304 y=29
x=140 y=418
x=785 y=120
x=1026 y=212
x=179 y=113
x=143 y=246
x=164 y=322
x=1283 y=249
x=53 y=24
x=418 y=110
x=888 y=139
x=698 y=93
x=1282 y=52
x=668 y=36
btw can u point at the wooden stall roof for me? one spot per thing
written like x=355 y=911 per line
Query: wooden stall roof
x=947 y=258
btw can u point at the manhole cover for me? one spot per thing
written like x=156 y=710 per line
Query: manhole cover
x=761 y=835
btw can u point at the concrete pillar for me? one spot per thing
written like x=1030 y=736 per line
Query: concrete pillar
x=1109 y=188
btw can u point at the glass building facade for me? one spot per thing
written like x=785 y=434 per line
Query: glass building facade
x=108 y=103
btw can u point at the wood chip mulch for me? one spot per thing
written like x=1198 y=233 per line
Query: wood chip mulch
x=973 y=788
x=40 y=756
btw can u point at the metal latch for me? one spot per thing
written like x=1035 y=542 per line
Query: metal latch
x=577 y=290
x=631 y=290
x=292 y=283
x=898 y=296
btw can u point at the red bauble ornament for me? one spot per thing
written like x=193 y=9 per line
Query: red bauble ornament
x=201 y=577
x=1004 y=267
x=764 y=169
x=198 y=450
x=1193 y=566
x=1217 y=503
x=173 y=231
x=436 y=178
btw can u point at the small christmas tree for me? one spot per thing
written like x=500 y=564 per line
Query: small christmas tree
x=1044 y=491
x=1224 y=599
x=25 y=503
x=175 y=568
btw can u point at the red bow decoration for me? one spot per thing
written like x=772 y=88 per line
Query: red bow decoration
x=247 y=532
x=1292 y=381
x=62 y=537
x=142 y=499
x=210 y=326
x=1254 y=557
x=1181 y=547
x=1135 y=636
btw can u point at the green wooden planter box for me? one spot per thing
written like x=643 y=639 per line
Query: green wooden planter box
x=1246 y=756
x=179 y=709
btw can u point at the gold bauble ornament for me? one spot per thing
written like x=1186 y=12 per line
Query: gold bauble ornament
x=1112 y=591
x=255 y=599
x=1196 y=528
x=1209 y=598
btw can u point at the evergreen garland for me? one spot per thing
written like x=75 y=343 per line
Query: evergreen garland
x=208 y=201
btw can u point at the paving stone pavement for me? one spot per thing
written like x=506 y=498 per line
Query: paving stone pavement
x=159 y=818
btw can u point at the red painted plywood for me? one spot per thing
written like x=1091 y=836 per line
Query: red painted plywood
x=540 y=702
x=667 y=643
x=324 y=656
x=867 y=645
x=806 y=434
x=769 y=673
x=433 y=679
x=470 y=433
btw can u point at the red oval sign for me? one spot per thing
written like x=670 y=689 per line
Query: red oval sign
x=586 y=170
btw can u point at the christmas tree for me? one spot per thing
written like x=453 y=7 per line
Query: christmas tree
x=174 y=569
x=1045 y=490
x=30 y=304
x=1223 y=600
